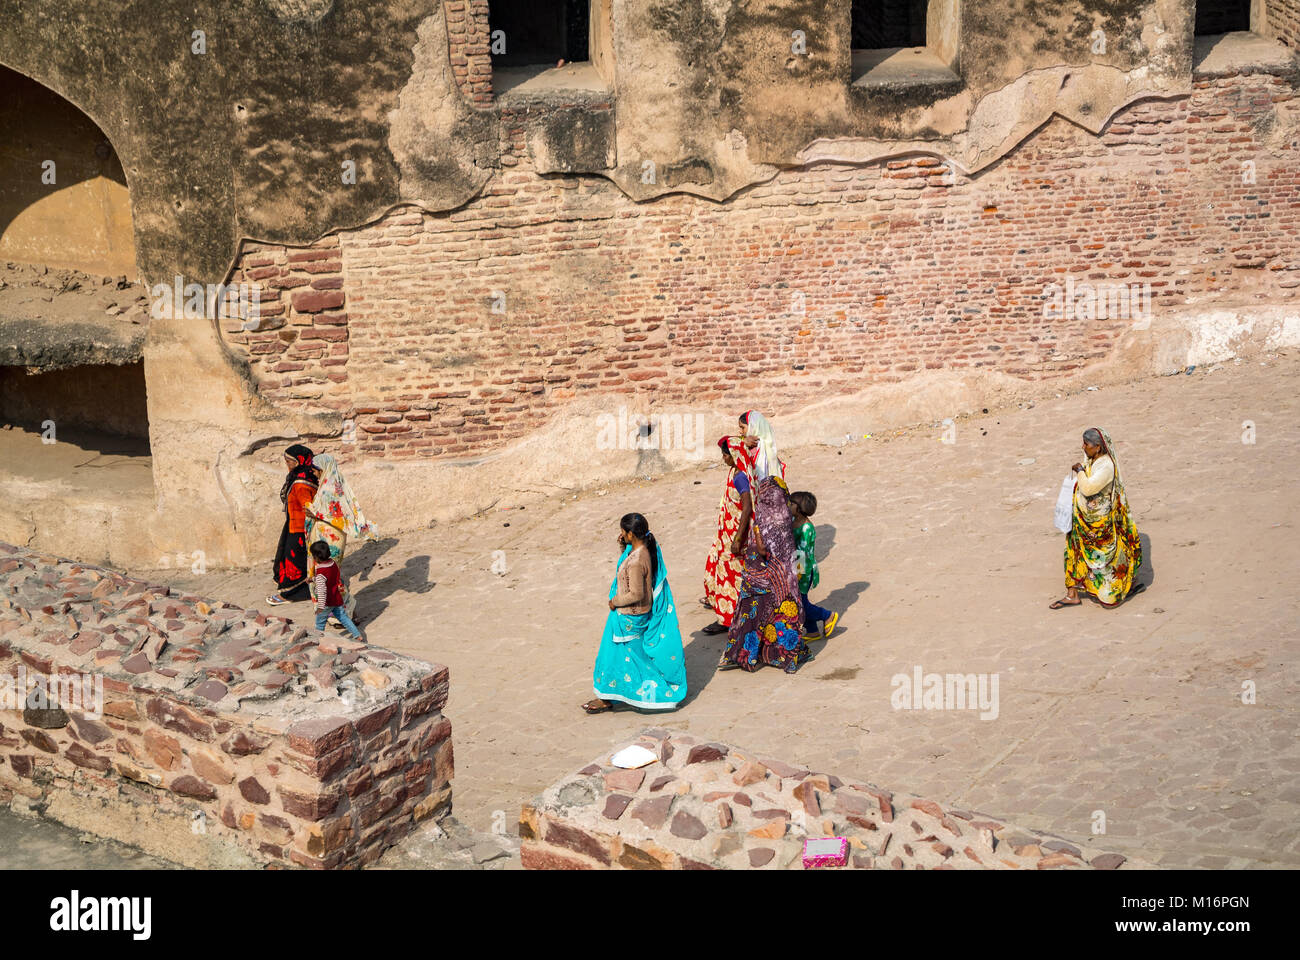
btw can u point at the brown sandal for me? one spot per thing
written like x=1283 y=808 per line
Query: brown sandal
x=1058 y=604
x=591 y=706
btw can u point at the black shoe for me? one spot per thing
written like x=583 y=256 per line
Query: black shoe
x=714 y=627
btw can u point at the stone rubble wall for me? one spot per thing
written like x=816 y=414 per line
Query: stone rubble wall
x=709 y=806
x=226 y=738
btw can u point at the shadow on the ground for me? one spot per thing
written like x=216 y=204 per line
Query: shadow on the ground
x=702 y=653
x=840 y=599
x=825 y=540
x=359 y=564
x=837 y=601
x=1146 y=574
x=411 y=577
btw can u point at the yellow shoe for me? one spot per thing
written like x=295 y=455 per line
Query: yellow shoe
x=829 y=627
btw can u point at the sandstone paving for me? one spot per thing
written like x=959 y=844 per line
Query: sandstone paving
x=938 y=555
x=451 y=845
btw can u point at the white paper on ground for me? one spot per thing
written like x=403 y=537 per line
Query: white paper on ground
x=629 y=758
x=822 y=847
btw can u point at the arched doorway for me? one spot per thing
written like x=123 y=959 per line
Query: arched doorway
x=73 y=415
x=63 y=195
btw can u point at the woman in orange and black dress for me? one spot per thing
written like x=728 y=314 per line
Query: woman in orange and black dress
x=297 y=493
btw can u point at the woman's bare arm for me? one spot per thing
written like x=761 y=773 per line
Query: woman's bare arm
x=742 y=531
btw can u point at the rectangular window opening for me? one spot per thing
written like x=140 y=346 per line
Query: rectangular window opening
x=530 y=39
x=1222 y=16
x=878 y=24
x=905 y=42
x=1232 y=33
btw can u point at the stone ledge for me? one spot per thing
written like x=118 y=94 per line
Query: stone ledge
x=269 y=745
x=1242 y=53
x=709 y=806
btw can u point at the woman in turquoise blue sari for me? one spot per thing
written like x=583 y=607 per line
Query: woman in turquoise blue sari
x=640 y=661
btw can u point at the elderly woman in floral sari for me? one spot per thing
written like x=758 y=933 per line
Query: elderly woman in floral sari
x=1102 y=549
x=768 y=624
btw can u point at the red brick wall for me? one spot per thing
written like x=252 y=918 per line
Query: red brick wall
x=1284 y=21
x=468 y=35
x=299 y=352
x=686 y=302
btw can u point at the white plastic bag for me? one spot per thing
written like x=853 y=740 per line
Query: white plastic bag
x=1064 y=515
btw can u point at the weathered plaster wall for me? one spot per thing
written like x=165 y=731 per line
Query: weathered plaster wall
x=245 y=139
x=715 y=68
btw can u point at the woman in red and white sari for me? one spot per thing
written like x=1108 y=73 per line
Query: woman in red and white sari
x=722 y=568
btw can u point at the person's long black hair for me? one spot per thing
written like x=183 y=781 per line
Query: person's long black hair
x=639 y=527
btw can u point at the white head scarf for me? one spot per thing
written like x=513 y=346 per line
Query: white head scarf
x=764 y=455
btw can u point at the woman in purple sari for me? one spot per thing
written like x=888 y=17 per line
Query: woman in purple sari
x=768 y=623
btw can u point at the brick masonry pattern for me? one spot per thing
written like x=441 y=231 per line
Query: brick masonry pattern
x=461 y=331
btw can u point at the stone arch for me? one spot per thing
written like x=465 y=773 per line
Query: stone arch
x=73 y=323
x=64 y=197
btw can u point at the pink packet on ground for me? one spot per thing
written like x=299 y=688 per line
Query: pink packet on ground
x=825 y=852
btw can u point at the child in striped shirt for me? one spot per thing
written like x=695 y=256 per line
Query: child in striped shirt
x=329 y=591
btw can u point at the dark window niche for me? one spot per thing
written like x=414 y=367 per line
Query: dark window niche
x=529 y=39
x=1214 y=17
x=538 y=32
x=905 y=43
x=879 y=24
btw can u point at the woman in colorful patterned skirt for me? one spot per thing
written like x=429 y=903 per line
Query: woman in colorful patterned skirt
x=722 y=567
x=640 y=661
x=768 y=623
x=1102 y=549
x=296 y=494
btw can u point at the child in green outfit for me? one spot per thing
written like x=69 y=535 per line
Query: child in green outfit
x=803 y=505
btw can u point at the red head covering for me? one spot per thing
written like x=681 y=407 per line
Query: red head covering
x=302 y=469
x=739 y=452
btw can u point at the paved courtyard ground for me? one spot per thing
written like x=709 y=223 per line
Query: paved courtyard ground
x=941 y=556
